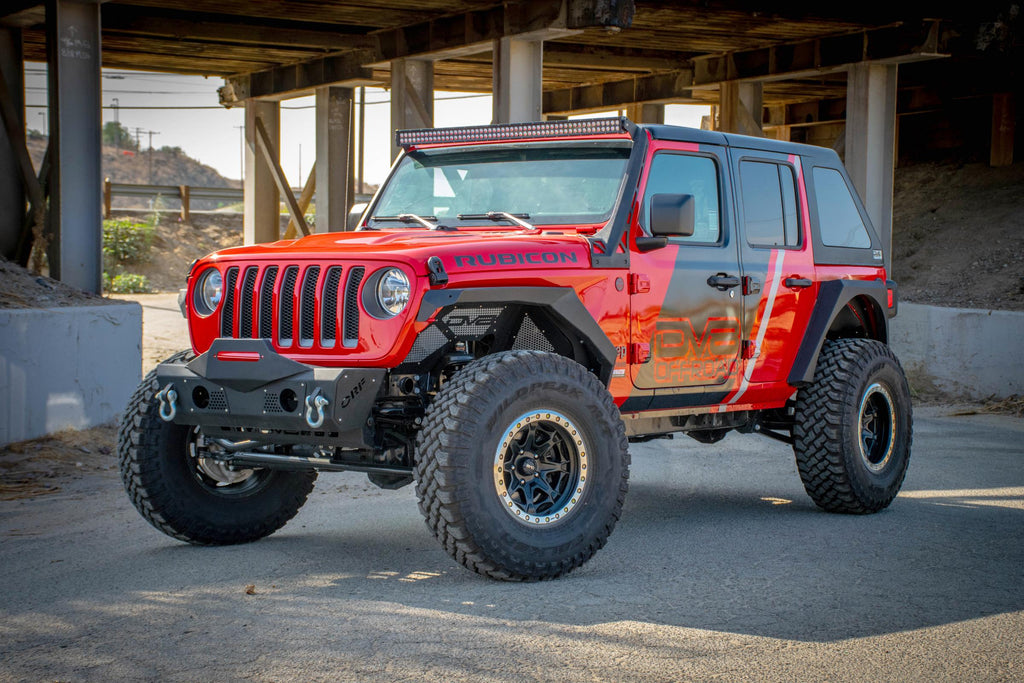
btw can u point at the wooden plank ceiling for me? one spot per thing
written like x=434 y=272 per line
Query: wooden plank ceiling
x=235 y=37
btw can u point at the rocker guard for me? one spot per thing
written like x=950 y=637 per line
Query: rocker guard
x=246 y=392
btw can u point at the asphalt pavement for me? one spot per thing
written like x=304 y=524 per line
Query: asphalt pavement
x=721 y=568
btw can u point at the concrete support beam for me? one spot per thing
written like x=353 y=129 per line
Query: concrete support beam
x=76 y=184
x=1004 y=122
x=871 y=142
x=261 y=221
x=412 y=96
x=12 y=187
x=646 y=113
x=740 y=108
x=333 y=163
x=518 y=82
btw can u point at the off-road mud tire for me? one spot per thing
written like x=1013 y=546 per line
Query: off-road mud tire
x=457 y=449
x=157 y=476
x=828 y=427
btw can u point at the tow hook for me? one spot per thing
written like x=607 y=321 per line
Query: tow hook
x=168 y=398
x=315 y=404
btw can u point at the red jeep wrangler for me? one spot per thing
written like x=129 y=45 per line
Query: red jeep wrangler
x=518 y=303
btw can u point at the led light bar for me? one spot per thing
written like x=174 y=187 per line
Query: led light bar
x=513 y=131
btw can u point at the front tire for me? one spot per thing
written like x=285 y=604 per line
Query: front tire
x=854 y=427
x=197 y=499
x=522 y=466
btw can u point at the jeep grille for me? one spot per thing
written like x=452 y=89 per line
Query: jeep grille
x=293 y=305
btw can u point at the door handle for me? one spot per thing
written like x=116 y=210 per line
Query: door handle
x=797 y=282
x=722 y=282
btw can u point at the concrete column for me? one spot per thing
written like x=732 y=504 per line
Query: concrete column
x=333 y=155
x=646 y=113
x=412 y=96
x=12 y=188
x=76 y=184
x=517 y=83
x=261 y=221
x=740 y=107
x=1004 y=121
x=871 y=142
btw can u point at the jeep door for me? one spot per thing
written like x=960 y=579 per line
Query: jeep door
x=686 y=302
x=778 y=268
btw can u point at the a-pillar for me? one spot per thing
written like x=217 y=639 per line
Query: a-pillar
x=261 y=221
x=76 y=186
x=412 y=96
x=333 y=157
x=740 y=108
x=12 y=188
x=646 y=113
x=517 y=80
x=871 y=142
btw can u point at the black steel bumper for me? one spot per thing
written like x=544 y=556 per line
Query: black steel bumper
x=244 y=383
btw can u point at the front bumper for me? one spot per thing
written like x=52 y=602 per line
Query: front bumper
x=243 y=384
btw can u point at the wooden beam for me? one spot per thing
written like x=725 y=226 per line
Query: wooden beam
x=895 y=44
x=263 y=140
x=610 y=58
x=1003 y=125
x=305 y=198
x=890 y=45
x=443 y=38
x=151 y=21
x=669 y=87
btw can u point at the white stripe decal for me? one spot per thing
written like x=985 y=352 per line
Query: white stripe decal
x=749 y=369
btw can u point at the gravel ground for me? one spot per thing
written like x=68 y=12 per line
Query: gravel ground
x=720 y=568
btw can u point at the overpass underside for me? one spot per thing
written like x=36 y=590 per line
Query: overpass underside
x=832 y=75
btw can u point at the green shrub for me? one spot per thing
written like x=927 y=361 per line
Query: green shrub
x=126 y=283
x=126 y=241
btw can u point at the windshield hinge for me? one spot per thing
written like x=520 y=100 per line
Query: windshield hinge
x=438 y=275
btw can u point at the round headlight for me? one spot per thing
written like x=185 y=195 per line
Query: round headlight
x=393 y=291
x=208 y=292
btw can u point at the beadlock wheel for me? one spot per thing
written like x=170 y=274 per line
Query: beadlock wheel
x=541 y=467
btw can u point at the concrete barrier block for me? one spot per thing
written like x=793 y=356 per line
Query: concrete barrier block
x=71 y=367
x=966 y=352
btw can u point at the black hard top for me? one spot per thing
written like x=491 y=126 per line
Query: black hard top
x=710 y=137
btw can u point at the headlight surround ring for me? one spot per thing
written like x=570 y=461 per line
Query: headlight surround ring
x=208 y=292
x=392 y=292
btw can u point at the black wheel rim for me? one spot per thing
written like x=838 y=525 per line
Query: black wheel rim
x=216 y=477
x=540 y=467
x=877 y=427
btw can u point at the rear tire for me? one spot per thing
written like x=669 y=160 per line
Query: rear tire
x=854 y=428
x=522 y=466
x=195 y=499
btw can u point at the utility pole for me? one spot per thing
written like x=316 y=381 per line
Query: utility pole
x=151 y=134
x=300 y=166
x=362 y=138
x=138 y=142
x=241 y=153
x=117 y=124
x=43 y=114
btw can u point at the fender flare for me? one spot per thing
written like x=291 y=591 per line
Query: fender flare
x=562 y=303
x=833 y=295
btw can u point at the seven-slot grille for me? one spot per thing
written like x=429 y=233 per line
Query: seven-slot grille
x=293 y=305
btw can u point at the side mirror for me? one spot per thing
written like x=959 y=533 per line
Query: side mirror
x=672 y=215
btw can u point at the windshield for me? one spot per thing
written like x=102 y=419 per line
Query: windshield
x=547 y=183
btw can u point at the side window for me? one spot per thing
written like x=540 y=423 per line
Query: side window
x=840 y=222
x=683 y=174
x=768 y=191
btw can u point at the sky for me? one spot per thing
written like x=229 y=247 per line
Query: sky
x=183 y=111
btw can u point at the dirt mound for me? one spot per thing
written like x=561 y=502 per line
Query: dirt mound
x=176 y=245
x=958 y=235
x=20 y=288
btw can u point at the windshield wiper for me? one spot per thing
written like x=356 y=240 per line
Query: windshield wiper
x=410 y=218
x=516 y=218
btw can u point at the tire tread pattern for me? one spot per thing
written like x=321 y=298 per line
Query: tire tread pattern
x=440 y=455
x=818 y=428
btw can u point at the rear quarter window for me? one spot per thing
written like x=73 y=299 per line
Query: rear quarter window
x=839 y=221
